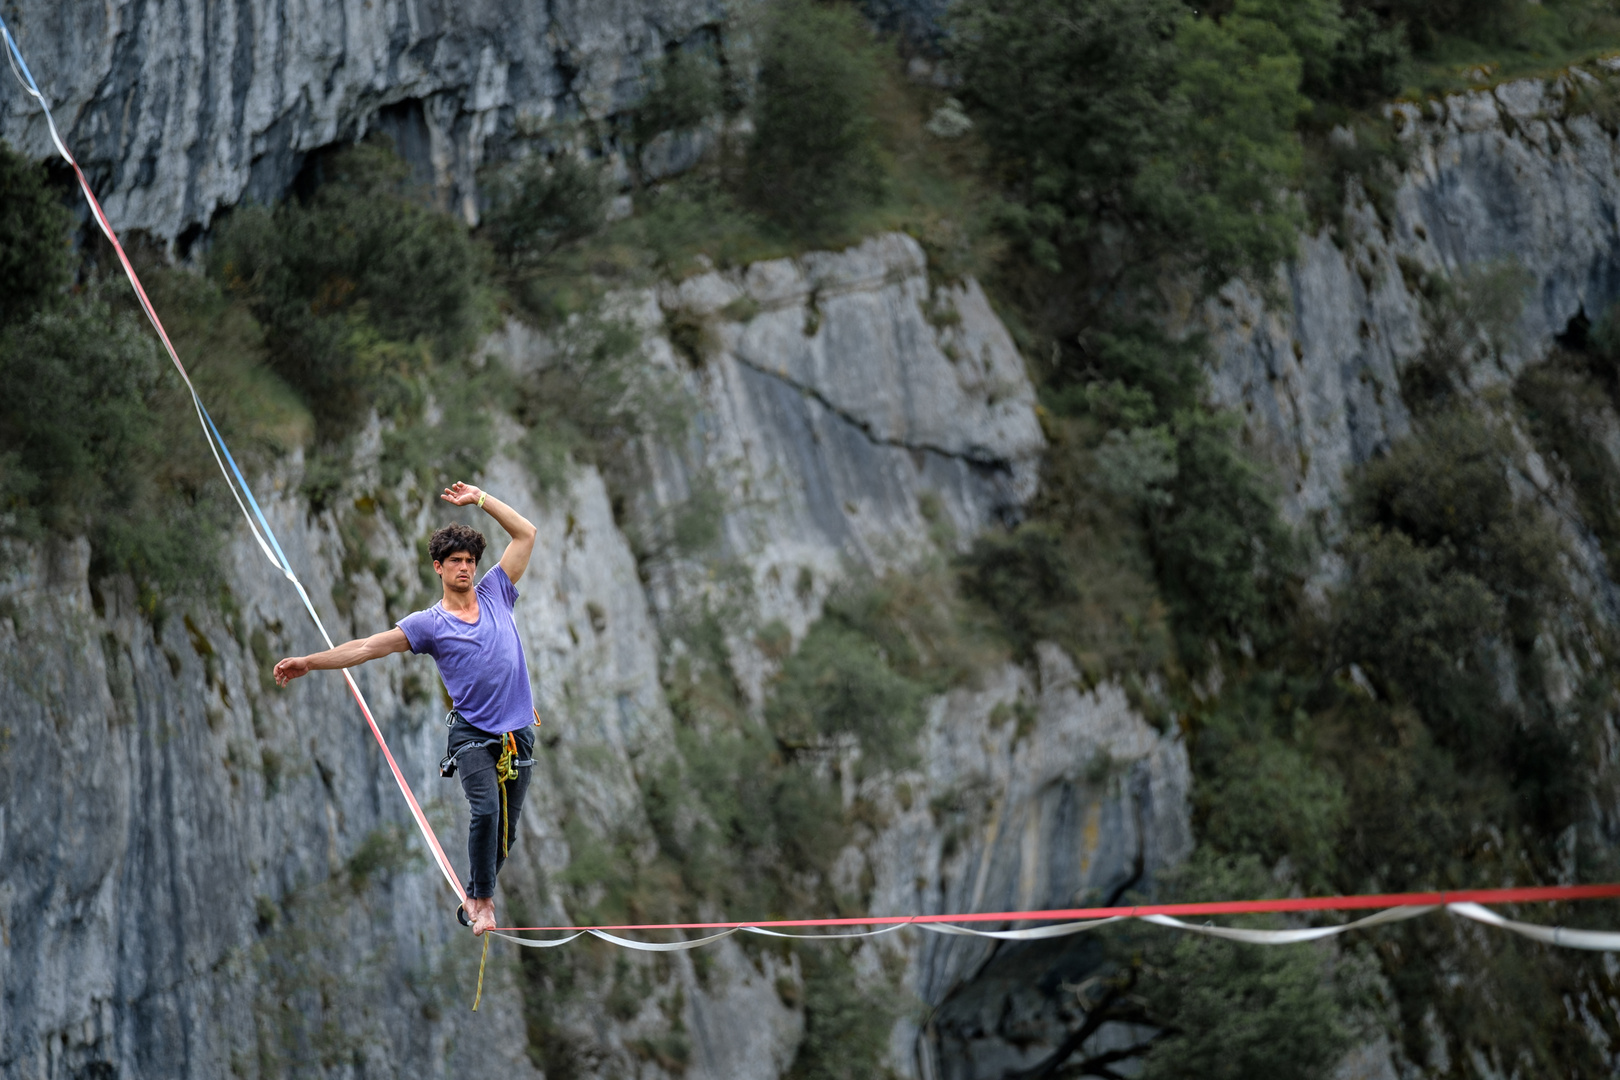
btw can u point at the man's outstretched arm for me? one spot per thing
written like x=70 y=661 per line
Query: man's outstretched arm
x=515 y=559
x=349 y=654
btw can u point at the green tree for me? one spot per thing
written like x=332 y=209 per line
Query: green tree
x=359 y=287
x=1137 y=114
x=1074 y=99
x=1236 y=1011
x=683 y=91
x=840 y=683
x=36 y=252
x=813 y=158
x=1225 y=181
x=1225 y=558
x=538 y=206
x=86 y=450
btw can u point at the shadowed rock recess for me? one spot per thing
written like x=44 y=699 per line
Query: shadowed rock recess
x=203 y=876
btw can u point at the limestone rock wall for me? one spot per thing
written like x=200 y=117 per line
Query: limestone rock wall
x=180 y=108
x=1514 y=174
x=203 y=875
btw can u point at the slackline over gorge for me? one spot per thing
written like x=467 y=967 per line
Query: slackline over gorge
x=1017 y=520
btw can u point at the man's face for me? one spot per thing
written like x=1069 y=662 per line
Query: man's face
x=456 y=571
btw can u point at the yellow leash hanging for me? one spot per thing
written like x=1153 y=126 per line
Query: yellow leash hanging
x=505 y=770
x=481 y=960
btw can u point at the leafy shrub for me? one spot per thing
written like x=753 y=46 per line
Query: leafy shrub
x=1447 y=489
x=596 y=396
x=1136 y=114
x=846 y=1026
x=1269 y=799
x=1489 y=21
x=36 y=252
x=839 y=683
x=537 y=206
x=1570 y=410
x=1224 y=182
x=1235 y=1011
x=1027 y=579
x=813 y=158
x=1471 y=319
x=1423 y=630
x=87 y=447
x=359 y=288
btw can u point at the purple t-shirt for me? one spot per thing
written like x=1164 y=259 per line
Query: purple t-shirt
x=481 y=662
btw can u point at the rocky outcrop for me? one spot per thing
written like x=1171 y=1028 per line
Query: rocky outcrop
x=181 y=109
x=1510 y=175
x=204 y=875
x=1037 y=793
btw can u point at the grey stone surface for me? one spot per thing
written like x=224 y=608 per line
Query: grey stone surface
x=1503 y=175
x=182 y=107
x=182 y=845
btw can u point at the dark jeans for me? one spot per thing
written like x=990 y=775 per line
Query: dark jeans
x=476 y=766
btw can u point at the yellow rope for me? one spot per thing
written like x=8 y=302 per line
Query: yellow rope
x=481 y=960
x=505 y=771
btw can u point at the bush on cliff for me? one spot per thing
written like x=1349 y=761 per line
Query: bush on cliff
x=36 y=241
x=813 y=158
x=360 y=287
x=1135 y=116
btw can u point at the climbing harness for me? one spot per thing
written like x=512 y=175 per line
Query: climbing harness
x=449 y=763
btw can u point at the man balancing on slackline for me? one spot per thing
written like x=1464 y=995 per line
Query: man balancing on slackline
x=470 y=633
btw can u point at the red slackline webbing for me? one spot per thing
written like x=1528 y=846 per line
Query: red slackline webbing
x=1526 y=895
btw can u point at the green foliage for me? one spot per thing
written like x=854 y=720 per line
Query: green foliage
x=36 y=252
x=1138 y=115
x=1471 y=318
x=839 y=684
x=813 y=158
x=1447 y=488
x=360 y=288
x=90 y=445
x=846 y=1026
x=1225 y=558
x=1236 y=1011
x=684 y=91
x=1423 y=630
x=1492 y=21
x=1223 y=182
x=1568 y=403
x=593 y=400
x=1073 y=100
x=537 y=206
x=1027 y=579
x=1262 y=792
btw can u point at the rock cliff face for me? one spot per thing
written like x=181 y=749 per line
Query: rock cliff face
x=179 y=109
x=201 y=875
x=204 y=875
x=1514 y=174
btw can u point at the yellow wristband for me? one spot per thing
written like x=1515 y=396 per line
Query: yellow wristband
x=481 y=497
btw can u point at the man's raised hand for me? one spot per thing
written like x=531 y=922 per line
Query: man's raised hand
x=291 y=668
x=460 y=494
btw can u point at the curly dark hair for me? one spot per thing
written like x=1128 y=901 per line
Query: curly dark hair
x=453 y=538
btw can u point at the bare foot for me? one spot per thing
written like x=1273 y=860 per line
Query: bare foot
x=482 y=914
